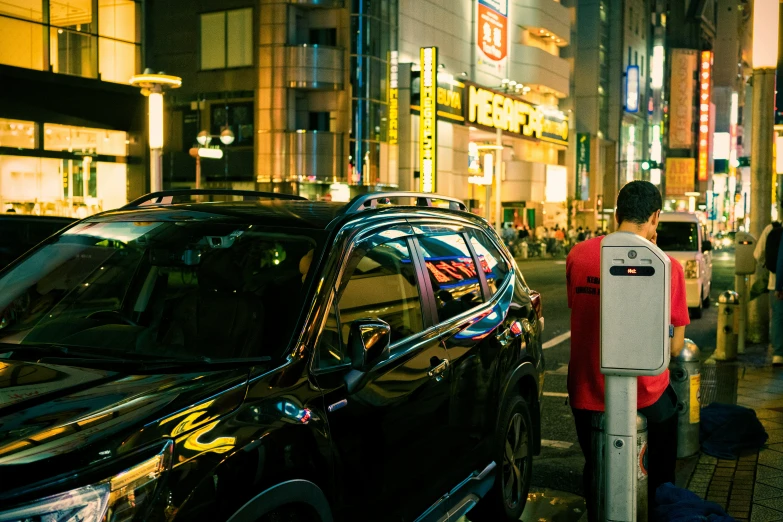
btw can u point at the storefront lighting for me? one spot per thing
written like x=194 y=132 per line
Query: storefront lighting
x=765 y=34
x=203 y=138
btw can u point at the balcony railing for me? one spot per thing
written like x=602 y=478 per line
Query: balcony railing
x=314 y=156
x=544 y=14
x=314 y=67
x=538 y=67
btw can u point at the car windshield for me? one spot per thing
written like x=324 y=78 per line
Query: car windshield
x=678 y=236
x=178 y=289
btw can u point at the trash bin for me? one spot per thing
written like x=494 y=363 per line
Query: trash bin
x=685 y=377
x=598 y=440
x=727 y=339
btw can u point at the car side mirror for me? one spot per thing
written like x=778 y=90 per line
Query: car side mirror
x=706 y=245
x=368 y=342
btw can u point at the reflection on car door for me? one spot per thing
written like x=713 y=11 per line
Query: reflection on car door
x=388 y=433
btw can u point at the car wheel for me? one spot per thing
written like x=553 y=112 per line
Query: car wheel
x=706 y=302
x=696 y=312
x=290 y=513
x=514 y=455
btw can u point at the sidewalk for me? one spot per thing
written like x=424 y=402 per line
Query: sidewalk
x=750 y=488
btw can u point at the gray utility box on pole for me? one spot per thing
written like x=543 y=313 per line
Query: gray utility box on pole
x=635 y=340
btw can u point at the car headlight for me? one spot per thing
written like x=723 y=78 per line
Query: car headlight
x=692 y=269
x=117 y=499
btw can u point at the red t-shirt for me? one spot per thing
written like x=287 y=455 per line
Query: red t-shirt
x=585 y=380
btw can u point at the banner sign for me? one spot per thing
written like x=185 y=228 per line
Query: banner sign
x=632 y=88
x=705 y=97
x=492 y=37
x=582 y=166
x=495 y=110
x=681 y=101
x=680 y=173
x=428 y=125
x=394 y=102
x=449 y=98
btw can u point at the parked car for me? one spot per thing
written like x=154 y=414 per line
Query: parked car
x=269 y=359
x=19 y=233
x=682 y=237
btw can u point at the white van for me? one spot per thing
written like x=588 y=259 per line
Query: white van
x=681 y=235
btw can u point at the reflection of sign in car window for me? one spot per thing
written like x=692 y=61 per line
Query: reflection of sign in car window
x=453 y=271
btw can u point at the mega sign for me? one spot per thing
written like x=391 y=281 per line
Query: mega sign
x=501 y=111
x=393 y=98
x=705 y=97
x=428 y=125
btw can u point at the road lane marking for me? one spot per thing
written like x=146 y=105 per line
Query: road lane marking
x=560 y=262
x=557 y=340
x=557 y=444
x=555 y=394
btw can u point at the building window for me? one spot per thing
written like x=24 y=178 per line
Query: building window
x=18 y=134
x=238 y=117
x=220 y=52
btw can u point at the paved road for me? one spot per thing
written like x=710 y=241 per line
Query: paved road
x=560 y=464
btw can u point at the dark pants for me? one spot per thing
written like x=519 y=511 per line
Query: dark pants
x=661 y=446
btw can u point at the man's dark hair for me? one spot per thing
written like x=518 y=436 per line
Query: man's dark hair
x=637 y=201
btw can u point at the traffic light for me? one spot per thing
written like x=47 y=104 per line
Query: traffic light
x=645 y=165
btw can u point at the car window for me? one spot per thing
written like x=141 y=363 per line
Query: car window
x=496 y=269
x=452 y=274
x=330 y=351
x=678 y=236
x=200 y=289
x=381 y=283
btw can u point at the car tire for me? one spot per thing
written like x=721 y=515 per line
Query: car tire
x=706 y=302
x=696 y=312
x=290 y=513
x=513 y=449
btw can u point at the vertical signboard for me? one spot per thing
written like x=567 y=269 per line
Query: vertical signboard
x=393 y=134
x=705 y=98
x=681 y=101
x=679 y=176
x=632 y=88
x=492 y=37
x=428 y=125
x=582 y=167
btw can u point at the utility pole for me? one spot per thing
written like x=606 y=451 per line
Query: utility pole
x=765 y=58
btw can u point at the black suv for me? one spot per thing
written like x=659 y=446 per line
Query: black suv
x=242 y=356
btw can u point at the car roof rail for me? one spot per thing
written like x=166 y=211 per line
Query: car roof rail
x=371 y=200
x=159 y=198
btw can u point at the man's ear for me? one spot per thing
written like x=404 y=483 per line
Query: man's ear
x=654 y=219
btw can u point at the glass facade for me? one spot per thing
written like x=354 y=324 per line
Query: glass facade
x=88 y=38
x=91 y=175
x=227 y=39
x=373 y=36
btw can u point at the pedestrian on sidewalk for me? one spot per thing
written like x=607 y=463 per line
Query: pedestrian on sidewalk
x=766 y=253
x=637 y=211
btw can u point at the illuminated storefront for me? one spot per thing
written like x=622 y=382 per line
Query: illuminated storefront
x=71 y=128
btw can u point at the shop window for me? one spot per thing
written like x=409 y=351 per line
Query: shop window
x=83 y=139
x=220 y=52
x=238 y=116
x=26 y=9
x=21 y=43
x=76 y=15
x=18 y=134
x=118 y=60
x=118 y=19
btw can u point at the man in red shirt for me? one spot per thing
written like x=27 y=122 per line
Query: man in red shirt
x=637 y=211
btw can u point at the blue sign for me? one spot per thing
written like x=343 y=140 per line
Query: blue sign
x=632 y=89
x=500 y=6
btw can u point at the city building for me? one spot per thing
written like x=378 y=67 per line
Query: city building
x=72 y=129
x=324 y=97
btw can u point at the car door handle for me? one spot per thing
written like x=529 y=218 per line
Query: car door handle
x=438 y=368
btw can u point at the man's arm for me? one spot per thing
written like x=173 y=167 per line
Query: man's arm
x=678 y=341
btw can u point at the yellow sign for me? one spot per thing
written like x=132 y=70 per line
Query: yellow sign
x=393 y=98
x=500 y=111
x=680 y=174
x=695 y=410
x=428 y=130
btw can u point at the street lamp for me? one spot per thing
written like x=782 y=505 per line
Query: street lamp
x=204 y=138
x=153 y=86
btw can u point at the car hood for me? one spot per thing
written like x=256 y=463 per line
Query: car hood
x=56 y=420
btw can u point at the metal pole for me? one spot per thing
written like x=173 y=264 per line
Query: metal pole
x=741 y=287
x=620 y=452
x=498 y=180
x=761 y=185
x=156 y=170
x=198 y=172
x=487 y=200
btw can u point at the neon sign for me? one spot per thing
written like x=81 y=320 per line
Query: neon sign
x=704 y=114
x=428 y=130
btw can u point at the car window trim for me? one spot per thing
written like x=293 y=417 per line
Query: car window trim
x=482 y=277
x=425 y=284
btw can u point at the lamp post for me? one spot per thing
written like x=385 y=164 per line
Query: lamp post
x=765 y=60
x=204 y=138
x=153 y=86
